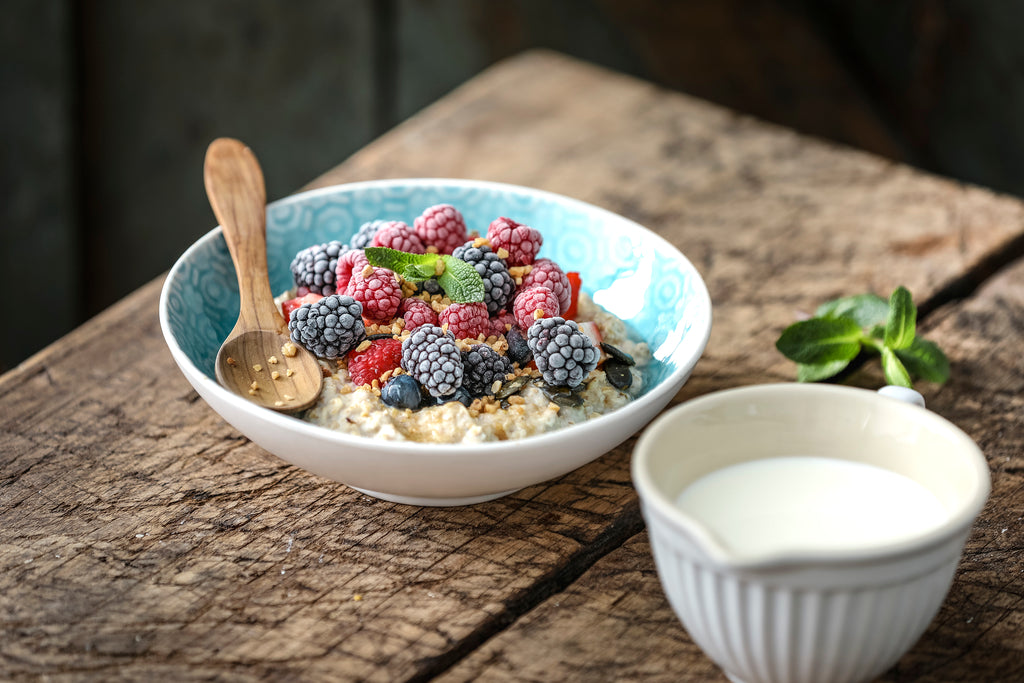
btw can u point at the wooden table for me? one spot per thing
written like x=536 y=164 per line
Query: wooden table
x=144 y=539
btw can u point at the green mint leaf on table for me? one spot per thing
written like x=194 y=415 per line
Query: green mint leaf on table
x=926 y=360
x=459 y=280
x=840 y=330
x=867 y=310
x=901 y=321
x=894 y=371
x=821 y=340
x=816 y=373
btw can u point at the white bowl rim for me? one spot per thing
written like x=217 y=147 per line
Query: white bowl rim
x=279 y=420
x=959 y=522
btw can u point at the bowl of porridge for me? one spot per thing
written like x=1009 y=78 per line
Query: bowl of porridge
x=435 y=393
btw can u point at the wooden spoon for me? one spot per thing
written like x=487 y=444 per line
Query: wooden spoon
x=258 y=360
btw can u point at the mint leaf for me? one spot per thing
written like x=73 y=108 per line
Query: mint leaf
x=866 y=309
x=893 y=369
x=816 y=373
x=460 y=281
x=901 y=320
x=926 y=360
x=402 y=262
x=821 y=340
x=417 y=272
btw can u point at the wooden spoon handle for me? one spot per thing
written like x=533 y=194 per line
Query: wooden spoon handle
x=235 y=188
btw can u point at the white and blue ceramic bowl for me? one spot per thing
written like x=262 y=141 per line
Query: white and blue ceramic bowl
x=629 y=270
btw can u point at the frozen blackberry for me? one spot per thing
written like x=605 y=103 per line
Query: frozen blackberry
x=401 y=392
x=433 y=360
x=498 y=284
x=518 y=348
x=482 y=365
x=363 y=237
x=461 y=395
x=330 y=327
x=314 y=267
x=564 y=355
x=429 y=286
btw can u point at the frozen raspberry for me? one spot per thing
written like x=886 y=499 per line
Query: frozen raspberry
x=314 y=267
x=329 y=327
x=547 y=273
x=564 y=355
x=378 y=290
x=432 y=358
x=520 y=241
x=498 y=284
x=398 y=235
x=364 y=236
x=416 y=312
x=501 y=323
x=381 y=356
x=482 y=365
x=349 y=262
x=441 y=226
x=532 y=299
x=465 y=321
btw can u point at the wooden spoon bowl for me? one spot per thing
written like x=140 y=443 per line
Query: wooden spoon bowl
x=258 y=360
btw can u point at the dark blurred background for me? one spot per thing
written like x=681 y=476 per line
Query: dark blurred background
x=108 y=105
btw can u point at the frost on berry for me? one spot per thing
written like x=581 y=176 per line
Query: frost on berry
x=547 y=273
x=398 y=235
x=520 y=241
x=564 y=355
x=441 y=226
x=378 y=290
x=348 y=263
x=532 y=303
x=501 y=323
x=466 y=321
x=493 y=271
x=416 y=312
x=314 y=268
x=431 y=357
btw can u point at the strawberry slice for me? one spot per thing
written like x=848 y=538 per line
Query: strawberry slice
x=594 y=333
x=382 y=355
x=574 y=283
x=288 y=306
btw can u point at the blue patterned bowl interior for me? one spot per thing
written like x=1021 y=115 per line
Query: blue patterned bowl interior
x=628 y=270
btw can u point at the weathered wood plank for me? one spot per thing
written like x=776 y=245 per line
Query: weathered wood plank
x=143 y=536
x=975 y=636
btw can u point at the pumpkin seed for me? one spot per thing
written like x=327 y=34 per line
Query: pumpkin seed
x=618 y=374
x=513 y=386
x=618 y=354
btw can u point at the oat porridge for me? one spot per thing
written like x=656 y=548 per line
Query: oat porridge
x=430 y=333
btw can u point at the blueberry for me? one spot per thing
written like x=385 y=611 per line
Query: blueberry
x=401 y=392
x=461 y=395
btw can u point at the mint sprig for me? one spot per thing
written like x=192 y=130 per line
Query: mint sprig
x=842 y=329
x=458 y=279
